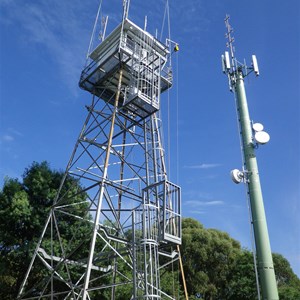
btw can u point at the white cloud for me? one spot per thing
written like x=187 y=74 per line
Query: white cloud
x=192 y=207
x=10 y=135
x=203 y=203
x=197 y=212
x=15 y=132
x=8 y=138
x=199 y=20
x=203 y=166
x=55 y=26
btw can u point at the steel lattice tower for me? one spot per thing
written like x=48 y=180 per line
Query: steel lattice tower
x=130 y=221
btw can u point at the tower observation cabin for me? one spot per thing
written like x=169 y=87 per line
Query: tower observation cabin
x=142 y=59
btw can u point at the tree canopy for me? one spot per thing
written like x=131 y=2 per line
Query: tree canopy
x=215 y=265
x=24 y=207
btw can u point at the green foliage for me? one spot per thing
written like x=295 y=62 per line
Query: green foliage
x=217 y=268
x=243 y=281
x=288 y=282
x=208 y=257
x=24 y=207
x=170 y=282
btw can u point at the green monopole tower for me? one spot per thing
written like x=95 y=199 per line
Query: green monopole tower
x=252 y=135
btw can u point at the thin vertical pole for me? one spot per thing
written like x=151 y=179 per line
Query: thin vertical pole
x=102 y=185
x=113 y=291
x=182 y=273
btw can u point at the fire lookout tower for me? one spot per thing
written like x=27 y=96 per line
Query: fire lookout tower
x=126 y=212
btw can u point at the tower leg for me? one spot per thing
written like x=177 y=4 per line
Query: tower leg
x=102 y=185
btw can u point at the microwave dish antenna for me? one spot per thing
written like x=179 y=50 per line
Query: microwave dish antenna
x=261 y=137
x=258 y=127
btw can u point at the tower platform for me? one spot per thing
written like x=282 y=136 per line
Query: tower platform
x=143 y=60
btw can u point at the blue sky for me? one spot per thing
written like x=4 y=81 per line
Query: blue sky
x=42 y=52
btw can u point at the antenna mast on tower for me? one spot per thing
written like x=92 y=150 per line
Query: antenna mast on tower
x=124 y=211
x=126 y=4
x=252 y=135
